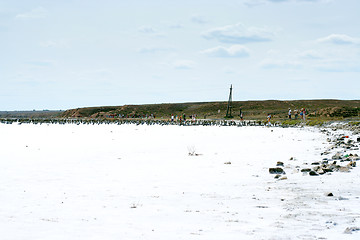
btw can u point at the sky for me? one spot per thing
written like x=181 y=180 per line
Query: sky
x=76 y=53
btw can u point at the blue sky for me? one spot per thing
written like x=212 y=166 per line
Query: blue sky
x=71 y=53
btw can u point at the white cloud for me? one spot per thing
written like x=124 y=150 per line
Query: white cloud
x=38 y=12
x=280 y=64
x=53 y=44
x=184 y=64
x=235 y=51
x=151 y=31
x=240 y=34
x=176 y=26
x=340 y=39
x=152 y=50
x=253 y=3
x=278 y=1
x=198 y=19
x=337 y=65
x=309 y=54
x=228 y=70
x=147 y=29
x=40 y=63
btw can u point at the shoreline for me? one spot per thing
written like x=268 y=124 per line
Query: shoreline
x=353 y=125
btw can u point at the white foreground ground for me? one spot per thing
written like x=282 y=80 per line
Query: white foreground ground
x=138 y=182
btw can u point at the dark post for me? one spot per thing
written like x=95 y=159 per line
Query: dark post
x=228 y=110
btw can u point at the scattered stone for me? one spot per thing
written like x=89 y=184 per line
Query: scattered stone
x=358 y=139
x=350 y=230
x=316 y=168
x=313 y=173
x=277 y=176
x=281 y=164
x=336 y=156
x=227 y=162
x=315 y=163
x=283 y=178
x=342 y=198
x=344 y=169
x=320 y=171
x=352 y=164
x=277 y=170
x=328 y=169
x=330 y=194
x=305 y=170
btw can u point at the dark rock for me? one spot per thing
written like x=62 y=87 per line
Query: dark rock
x=281 y=164
x=358 y=139
x=330 y=194
x=313 y=173
x=305 y=170
x=276 y=171
x=315 y=163
x=326 y=170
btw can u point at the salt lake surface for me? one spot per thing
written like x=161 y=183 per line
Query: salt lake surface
x=139 y=182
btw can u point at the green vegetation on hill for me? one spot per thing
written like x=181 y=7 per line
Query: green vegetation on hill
x=30 y=114
x=316 y=109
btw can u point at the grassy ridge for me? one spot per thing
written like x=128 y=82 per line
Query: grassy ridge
x=319 y=109
x=31 y=114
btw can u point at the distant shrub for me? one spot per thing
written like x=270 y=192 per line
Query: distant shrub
x=291 y=122
x=354 y=123
x=315 y=123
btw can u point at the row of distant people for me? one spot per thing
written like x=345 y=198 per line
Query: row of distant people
x=182 y=118
x=302 y=112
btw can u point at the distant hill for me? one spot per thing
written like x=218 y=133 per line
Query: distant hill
x=30 y=114
x=217 y=110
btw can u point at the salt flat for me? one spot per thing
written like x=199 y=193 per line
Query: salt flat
x=139 y=182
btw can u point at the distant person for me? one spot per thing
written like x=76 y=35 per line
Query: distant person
x=289 y=113
x=301 y=114
x=241 y=116
x=269 y=119
x=172 y=117
x=296 y=113
x=304 y=114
